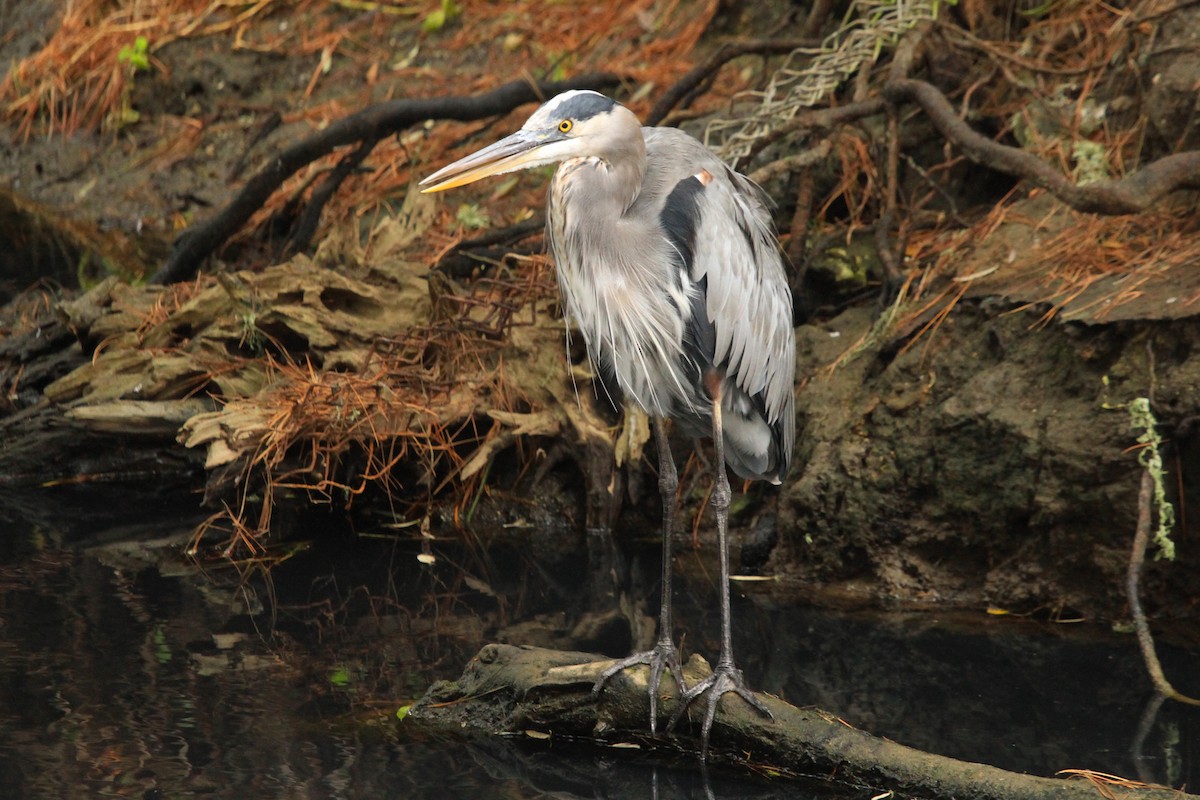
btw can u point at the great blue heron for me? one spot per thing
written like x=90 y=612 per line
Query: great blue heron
x=668 y=265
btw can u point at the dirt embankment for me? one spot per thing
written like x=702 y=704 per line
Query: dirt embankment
x=994 y=464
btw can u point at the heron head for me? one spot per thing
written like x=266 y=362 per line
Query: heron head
x=571 y=125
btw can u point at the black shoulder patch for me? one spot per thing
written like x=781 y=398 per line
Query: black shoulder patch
x=680 y=217
x=585 y=106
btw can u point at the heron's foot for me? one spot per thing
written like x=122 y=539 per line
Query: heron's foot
x=663 y=657
x=725 y=679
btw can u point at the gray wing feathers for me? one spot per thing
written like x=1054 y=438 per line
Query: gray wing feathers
x=747 y=299
x=749 y=302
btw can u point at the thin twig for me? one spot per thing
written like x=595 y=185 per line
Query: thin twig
x=820 y=119
x=805 y=158
x=1136 y=557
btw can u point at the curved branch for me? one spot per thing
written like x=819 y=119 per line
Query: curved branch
x=1132 y=194
x=820 y=119
x=374 y=122
x=724 y=54
x=306 y=228
x=1137 y=557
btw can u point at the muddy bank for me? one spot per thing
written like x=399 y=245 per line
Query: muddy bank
x=988 y=464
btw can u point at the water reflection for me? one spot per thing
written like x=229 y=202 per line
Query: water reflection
x=1028 y=697
x=118 y=681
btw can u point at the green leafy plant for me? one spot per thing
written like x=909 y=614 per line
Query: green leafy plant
x=1142 y=418
x=137 y=55
x=470 y=215
x=437 y=19
x=252 y=336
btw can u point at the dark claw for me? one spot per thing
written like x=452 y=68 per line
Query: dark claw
x=726 y=678
x=663 y=656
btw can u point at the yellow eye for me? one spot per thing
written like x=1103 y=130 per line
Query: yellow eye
x=566 y=125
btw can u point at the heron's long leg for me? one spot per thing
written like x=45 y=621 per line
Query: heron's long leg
x=663 y=655
x=726 y=677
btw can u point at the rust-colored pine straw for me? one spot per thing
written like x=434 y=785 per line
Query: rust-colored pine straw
x=858 y=184
x=415 y=403
x=314 y=419
x=1069 y=39
x=317 y=416
x=649 y=41
x=77 y=81
x=1052 y=71
x=166 y=303
x=1103 y=781
x=1084 y=264
x=1089 y=248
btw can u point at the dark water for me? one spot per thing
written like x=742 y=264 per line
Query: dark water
x=117 y=680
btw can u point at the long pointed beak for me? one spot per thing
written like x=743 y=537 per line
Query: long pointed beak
x=518 y=151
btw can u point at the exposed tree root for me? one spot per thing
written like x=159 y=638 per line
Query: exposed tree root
x=696 y=76
x=1132 y=194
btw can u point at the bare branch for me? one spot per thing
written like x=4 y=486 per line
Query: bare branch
x=795 y=161
x=1136 y=557
x=306 y=227
x=372 y=123
x=724 y=54
x=1132 y=194
x=820 y=119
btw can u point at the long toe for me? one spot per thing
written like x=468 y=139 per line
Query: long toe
x=663 y=657
x=725 y=679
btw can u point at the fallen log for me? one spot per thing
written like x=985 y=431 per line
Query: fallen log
x=507 y=690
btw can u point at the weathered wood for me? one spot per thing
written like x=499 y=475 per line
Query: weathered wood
x=507 y=689
x=119 y=442
x=160 y=418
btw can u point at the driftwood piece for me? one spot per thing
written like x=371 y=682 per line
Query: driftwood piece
x=157 y=418
x=510 y=690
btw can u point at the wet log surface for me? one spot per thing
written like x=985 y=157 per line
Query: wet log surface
x=524 y=691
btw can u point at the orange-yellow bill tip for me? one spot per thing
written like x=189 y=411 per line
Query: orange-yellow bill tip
x=453 y=183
